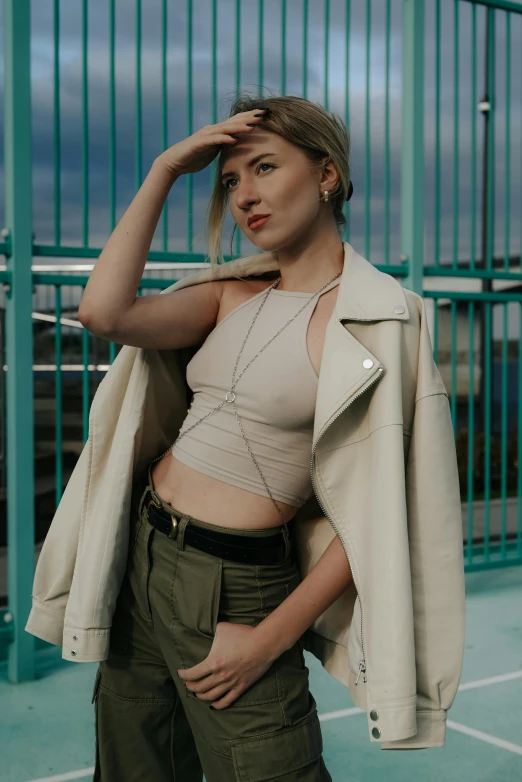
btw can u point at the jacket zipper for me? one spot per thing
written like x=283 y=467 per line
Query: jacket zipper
x=362 y=663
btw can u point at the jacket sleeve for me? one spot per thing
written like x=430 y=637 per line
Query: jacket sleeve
x=437 y=570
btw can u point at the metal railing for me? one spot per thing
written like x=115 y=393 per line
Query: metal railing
x=441 y=210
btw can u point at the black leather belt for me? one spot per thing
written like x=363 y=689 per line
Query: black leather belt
x=255 y=550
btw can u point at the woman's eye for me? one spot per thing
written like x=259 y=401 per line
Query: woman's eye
x=228 y=181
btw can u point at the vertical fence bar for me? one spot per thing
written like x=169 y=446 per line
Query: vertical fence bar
x=213 y=80
x=456 y=157
x=507 y=180
x=490 y=152
x=164 y=117
x=519 y=435
x=56 y=120
x=305 y=48
x=436 y=329
x=112 y=117
x=386 y=241
x=412 y=186
x=137 y=172
x=367 y=142
x=58 y=442
x=473 y=194
x=283 y=47
x=436 y=227
x=112 y=190
x=237 y=47
x=85 y=382
x=487 y=427
x=260 y=44
x=347 y=102
x=504 y=434
x=19 y=334
x=326 y=48
x=85 y=125
x=189 y=177
x=453 y=392
x=471 y=429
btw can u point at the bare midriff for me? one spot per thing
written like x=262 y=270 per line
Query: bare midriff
x=209 y=499
x=212 y=500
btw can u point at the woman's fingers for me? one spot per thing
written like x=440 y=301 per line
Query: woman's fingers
x=207 y=683
x=241 y=121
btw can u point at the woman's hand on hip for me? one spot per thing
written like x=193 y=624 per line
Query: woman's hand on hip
x=235 y=661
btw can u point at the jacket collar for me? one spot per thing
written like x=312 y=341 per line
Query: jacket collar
x=365 y=293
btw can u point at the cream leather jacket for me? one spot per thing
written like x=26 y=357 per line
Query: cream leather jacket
x=385 y=480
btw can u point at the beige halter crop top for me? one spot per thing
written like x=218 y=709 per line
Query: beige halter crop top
x=276 y=399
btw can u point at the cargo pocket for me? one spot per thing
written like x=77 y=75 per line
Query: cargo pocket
x=195 y=593
x=272 y=755
x=94 y=700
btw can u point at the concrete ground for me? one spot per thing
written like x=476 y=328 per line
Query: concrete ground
x=47 y=725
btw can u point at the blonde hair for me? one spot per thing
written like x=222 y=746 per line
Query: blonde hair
x=316 y=131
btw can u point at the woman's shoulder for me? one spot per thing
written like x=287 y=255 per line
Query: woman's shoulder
x=253 y=283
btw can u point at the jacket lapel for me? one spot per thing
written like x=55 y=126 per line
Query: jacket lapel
x=347 y=366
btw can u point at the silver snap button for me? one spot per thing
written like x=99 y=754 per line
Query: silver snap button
x=376 y=733
x=374 y=714
x=399 y=309
x=75 y=637
x=73 y=652
x=367 y=363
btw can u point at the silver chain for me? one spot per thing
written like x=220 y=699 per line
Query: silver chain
x=235 y=380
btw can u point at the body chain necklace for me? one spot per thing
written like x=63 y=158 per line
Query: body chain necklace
x=230 y=396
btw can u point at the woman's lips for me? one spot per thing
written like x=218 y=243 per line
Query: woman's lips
x=259 y=223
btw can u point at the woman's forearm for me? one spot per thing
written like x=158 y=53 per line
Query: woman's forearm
x=114 y=281
x=317 y=591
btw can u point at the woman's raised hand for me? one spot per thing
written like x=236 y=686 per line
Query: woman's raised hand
x=198 y=150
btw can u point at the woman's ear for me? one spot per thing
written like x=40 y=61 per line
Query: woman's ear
x=330 y=175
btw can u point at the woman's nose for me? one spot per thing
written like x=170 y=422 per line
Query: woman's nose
x=246 y=196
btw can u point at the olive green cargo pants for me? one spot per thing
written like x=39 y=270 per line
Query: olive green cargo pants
x=149 y=726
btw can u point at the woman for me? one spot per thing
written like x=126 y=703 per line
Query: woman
x=215 y=607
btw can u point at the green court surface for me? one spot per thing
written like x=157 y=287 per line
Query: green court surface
x=47 y=725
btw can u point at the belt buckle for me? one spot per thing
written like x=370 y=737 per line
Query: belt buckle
x=174 y=530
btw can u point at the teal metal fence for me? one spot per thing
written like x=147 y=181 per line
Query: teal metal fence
x=441 y=209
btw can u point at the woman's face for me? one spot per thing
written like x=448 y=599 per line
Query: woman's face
x=281 y=184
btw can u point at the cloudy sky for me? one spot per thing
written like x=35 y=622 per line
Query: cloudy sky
x=99 y=93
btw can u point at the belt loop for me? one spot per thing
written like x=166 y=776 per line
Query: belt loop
x=182 y=525
x=286 y=536
x=140 y=505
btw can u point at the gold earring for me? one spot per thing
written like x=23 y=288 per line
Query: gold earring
x=325 y=196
